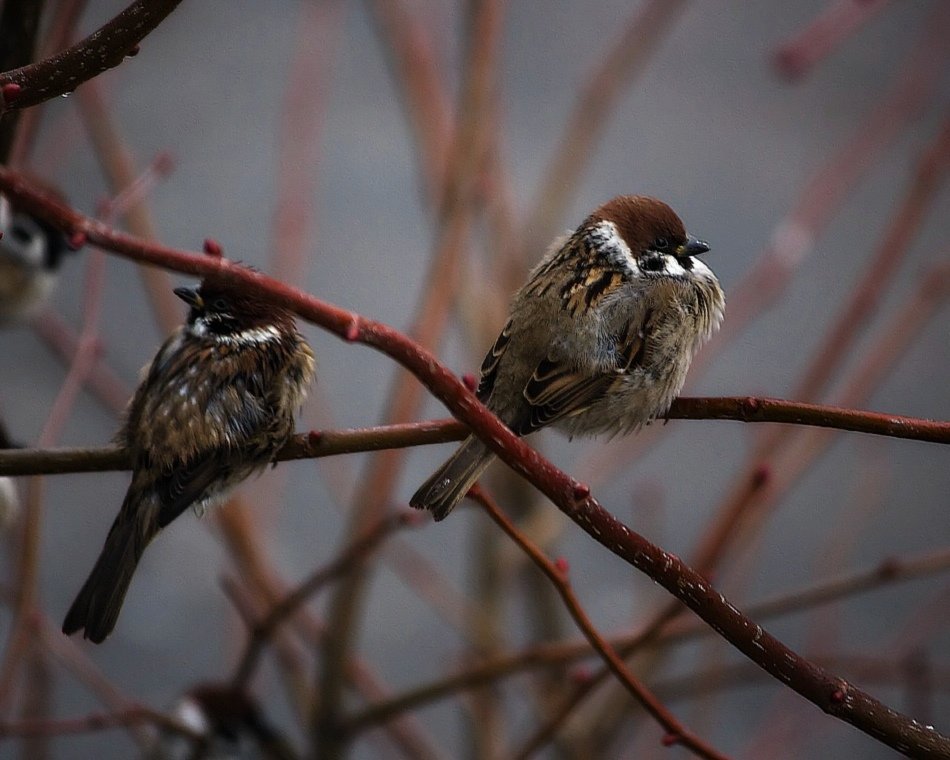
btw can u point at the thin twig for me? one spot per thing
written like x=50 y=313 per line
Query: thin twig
x=327 y=443
x=893 y=570
x=118 y=165
x=557 y=573
x=263 y=629
x=63 y=339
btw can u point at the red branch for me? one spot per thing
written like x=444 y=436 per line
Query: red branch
x=832 y=694
x=102 y=50
x=557 y=573
x=325 y=443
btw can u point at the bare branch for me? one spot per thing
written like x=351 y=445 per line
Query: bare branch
x=557 y=573
x=327 y=443
x=102 y=50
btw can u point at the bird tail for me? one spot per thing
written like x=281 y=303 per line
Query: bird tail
x=97 y=605
x=447 y=485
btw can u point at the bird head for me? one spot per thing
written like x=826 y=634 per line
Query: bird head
x=230 y=312
x=648 y=236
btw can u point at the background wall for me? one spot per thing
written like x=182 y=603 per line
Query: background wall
x=287 y=122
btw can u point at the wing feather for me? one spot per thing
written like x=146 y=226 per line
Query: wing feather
x=489 y=369
x=557 y=390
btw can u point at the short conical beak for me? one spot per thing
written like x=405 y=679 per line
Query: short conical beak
x=190 y=296
x=692 y=247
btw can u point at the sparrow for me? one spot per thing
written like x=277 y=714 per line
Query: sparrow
x=31 y=252
x=216 y=404
x=231 y=723
x=598 y=340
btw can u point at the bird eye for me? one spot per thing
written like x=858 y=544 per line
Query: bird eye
x=661 y=244
x=219 y=304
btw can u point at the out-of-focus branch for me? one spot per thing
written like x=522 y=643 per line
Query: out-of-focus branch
x=63 y=339
x=627 y=58
x=404 y=732
x=75 y=661
x=798 y=55
x=557 y=573
x=302 y=120
x=102 y=50
x=894 y=570
x=118 y=165
x=263 y=629
x=456 y=215
x=100 y=721
x=424 y=98
x=832 y=694
x=820 y=198
x=921 y=194
x=28 y=547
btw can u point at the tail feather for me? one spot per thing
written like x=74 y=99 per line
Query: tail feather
x=447 y=485
x=97 y=605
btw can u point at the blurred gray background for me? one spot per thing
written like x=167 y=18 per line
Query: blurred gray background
x=710 y=128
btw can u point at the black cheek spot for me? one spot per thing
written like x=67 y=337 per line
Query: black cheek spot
x=21 y=234
x=652 y=264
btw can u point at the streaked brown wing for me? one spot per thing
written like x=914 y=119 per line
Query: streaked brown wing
x=556 y=390
x=631 y=347
x=489 y=369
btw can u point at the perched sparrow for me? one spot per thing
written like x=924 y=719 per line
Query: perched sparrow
x=30 y=254
x=598 y=340
x=229 y=721
x=217 y=403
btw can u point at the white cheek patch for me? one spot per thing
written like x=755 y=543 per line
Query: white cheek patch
x=608 y=241
x=666 y=265
x=673 y=268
